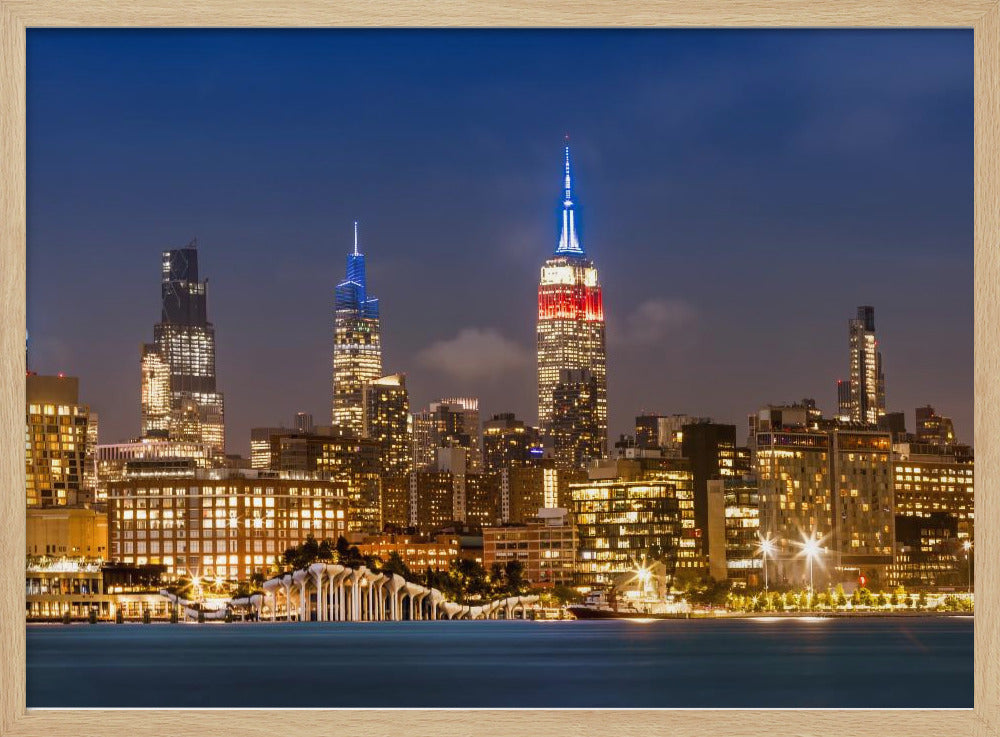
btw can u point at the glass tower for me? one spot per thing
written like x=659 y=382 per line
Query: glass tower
x=185 y=342
x=357 y=345
x=867 y=390
x=570 y=319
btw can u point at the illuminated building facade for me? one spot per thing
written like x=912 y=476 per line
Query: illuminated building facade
x=836 y=485
x=155 y=392
x=526 y=489
x=618 y=522
x=387 y=421
x=357 y=343
x=335 y=455
x=222 y=524
x=935 y=516
x=66 y=532
x=448 y=423
x=933 y=428
x=544 y=545
x=508 y=443
x=734 y=510
x=711 y=450
x=55 y=441
x=418 y=554
x=576 y=431
x=570 y=320
x=184 y=340
x=149 y=456
x=867 y=387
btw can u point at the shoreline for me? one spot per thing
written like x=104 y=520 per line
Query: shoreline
x=678 y=617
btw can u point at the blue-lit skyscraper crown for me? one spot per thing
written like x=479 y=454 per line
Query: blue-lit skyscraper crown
x=569 y=242
x=352 y=293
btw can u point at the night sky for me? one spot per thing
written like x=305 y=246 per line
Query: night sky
x=741 y=192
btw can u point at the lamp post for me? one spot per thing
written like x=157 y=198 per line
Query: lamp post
x=766 y=549
x=810 y=547
x=967 y=546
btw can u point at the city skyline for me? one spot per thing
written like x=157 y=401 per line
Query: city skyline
x=669 y=345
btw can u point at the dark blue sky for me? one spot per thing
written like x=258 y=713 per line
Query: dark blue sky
x=740 y=191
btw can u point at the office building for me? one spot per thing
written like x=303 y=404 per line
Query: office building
x=448 y=423
x=183 y=342
x=577 y=434
x=417 y=553
x=220 y=523
x=545 y=545
x=357 y=344
x=55 y=441
x=526 y=489
x=509 y=443
x=66 y=532
x=333 y=454
x=867 y=384
x=711 y=450
x=387 y=421
x=734 y=532
x=619 y=523
x=933 y=428
x=570 y=319
x=834 y=485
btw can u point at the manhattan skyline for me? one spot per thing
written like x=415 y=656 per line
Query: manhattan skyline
x=739 y=206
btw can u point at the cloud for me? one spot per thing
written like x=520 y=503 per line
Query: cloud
x=654 y=320
x=474 y=354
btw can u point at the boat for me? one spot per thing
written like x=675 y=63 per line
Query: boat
x=640 y=594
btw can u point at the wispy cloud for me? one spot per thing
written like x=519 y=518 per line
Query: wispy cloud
x=654 y=320
x=475 y=353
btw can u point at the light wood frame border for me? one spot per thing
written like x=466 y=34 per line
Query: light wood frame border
x=16 y=15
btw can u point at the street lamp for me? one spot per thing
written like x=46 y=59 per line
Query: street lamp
x=967 y=546
x=766 y=548
x=810 y=548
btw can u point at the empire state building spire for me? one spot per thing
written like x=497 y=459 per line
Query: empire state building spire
x=569 y=243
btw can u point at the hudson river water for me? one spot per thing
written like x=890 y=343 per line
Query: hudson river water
x=747 y=663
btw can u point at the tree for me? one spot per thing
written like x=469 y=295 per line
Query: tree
x=514 y=576
x=396 y=565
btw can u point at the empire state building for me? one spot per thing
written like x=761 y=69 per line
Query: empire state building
x=571 y=351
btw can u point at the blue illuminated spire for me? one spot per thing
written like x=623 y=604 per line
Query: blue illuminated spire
x=569 y=243
x=352 y=293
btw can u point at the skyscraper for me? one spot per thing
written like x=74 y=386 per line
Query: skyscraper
x=357 y=345
x=387 y=420
x=867 y=393
x=570 y=318
x=448 y=423
x=184 y=343
x=575 y=428
x=56 y=441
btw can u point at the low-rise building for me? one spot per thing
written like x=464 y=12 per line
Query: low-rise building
x=417 y=553
x=223 y=524
x=74 y=532
x=545 y=546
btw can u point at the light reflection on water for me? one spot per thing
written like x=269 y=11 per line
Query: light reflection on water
x=867 y=662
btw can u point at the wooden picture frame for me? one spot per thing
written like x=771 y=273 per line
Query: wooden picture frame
x=983 y=16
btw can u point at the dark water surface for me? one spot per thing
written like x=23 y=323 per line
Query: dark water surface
x=748 y=663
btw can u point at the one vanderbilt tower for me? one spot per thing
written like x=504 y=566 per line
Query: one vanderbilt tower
x=357 y=345
x=571 y=322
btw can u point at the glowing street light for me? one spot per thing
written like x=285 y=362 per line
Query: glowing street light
x=811 y=549
x=766 y=548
